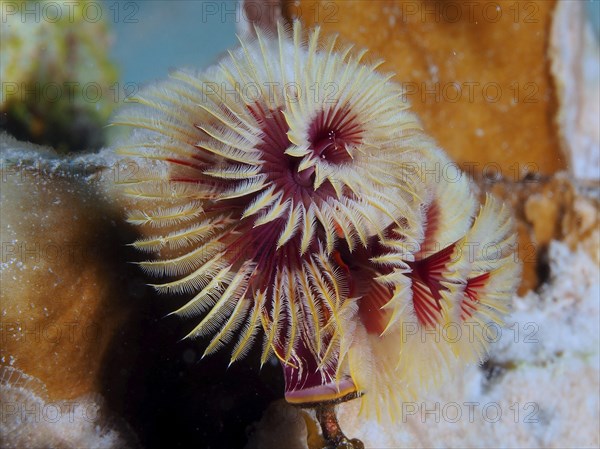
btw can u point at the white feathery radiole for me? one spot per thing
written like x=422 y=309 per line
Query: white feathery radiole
x=281 y=190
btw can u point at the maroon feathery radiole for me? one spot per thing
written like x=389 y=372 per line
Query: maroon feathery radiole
x=282 y=190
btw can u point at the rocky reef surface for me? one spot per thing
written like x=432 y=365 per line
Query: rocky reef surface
x=86 y=359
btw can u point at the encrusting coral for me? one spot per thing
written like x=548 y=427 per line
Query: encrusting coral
x=65 y=296
x=476 y=73
x=59 y=85
x=286 y=189
x=30 y=419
